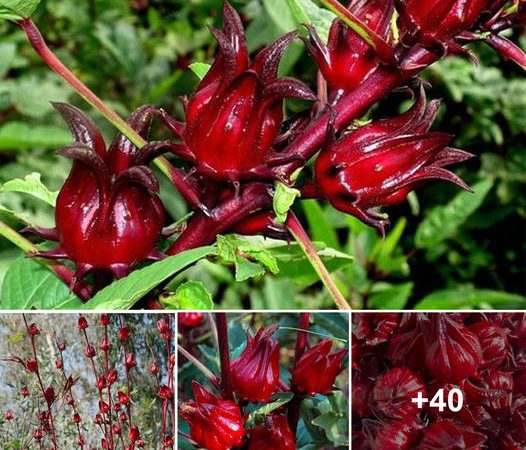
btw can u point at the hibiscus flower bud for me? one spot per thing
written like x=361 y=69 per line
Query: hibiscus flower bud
x=123 y=398
x=105 y=345
x=130 y=361
x=90 y=351
x=31 y=365
x=165 y=392
x=24 y=392
x=154 y=368
x=191 y=319
x=380 y=163
x=235 y=115
x=112 y=376
x=33 y=329
x=134 y=434
x=108 y=215
x=104 y=320
x=394 y=391
x=215 y=423
x=59 y=364
x=399 y=435
x=436 y=22
x=124 y=334
x=49 y=395
x=316 y=370
x=82 y=323
x=445 y=435
x=493 y=340
x=104 y=408
x=8 y=415
x=255 y=373
x=347 y=59
x=273 y=433
x=76 y=418
x=375 y=328
x=453 y=352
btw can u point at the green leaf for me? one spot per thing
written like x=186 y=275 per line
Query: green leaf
x=190 y=295
x=122 y=294
x=334 y=419
x=29 y=285
x=17 y=9
x=468 y=298
x=444 y=221
x=307 y=12
x=246 y=269
x=21 y=136
x=284 y=198
x=294 y=265
x=33 y=186
x=259 y=414
x=200 y=69
x=320 y=227
x=390 y=296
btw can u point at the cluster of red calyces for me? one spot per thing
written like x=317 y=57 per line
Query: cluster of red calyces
x=398 y=358
x=236 y=142
x=217 y=422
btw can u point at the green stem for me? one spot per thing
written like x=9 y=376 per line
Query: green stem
x=305 y=243
x=65 y=274
x=198 y=364
x=37 y=41
x=315 y=334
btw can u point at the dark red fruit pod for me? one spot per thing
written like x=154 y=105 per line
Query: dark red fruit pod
x=375 y=328
x=273 y=434
x=446 y=435
x=493 y=340
x=406 y=347
x=453 y=352
x=394 y=391
x=215 y=423
x=255 y=373
x=398 y=435
x=191 y=319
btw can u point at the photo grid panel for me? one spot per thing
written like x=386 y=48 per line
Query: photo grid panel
x=439 y=380
x=93 y=381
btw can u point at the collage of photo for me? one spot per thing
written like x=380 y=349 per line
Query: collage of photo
x=262 y=224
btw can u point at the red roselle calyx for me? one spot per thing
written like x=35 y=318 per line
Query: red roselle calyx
x=215 y=423
x=316 y=371
x=255 y=373
x=274 y=433
x=108 y=215
x=436 y=22
x=453 y=352
x=446 y=435
x=394 y=391
x=380 y=163
x=347 y=59
x=191 y=319
x=234 y=118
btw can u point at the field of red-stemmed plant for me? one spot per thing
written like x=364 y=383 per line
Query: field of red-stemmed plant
x=94 y=381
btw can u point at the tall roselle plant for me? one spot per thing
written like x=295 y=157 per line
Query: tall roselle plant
x=101 y=413
x=234 y=144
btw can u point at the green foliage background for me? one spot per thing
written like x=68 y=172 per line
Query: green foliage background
x=447 y=249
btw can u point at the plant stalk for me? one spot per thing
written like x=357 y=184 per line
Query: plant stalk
x=305 y=243
x=224 y=355
x=294 y=407
x=83 y=291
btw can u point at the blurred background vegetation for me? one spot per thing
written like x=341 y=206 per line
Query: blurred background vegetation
x=447 y=249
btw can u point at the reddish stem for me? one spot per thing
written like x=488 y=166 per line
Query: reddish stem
x=294 y=407
x=224 y=355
